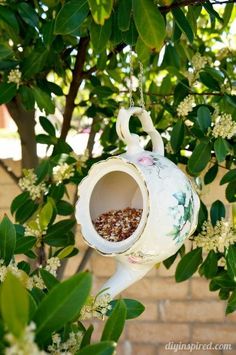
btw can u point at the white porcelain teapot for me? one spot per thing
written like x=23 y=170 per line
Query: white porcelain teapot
x=142 y=180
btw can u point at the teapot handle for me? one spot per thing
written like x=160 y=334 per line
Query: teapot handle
x=132 y=140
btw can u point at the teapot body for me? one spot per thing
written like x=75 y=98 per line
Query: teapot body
x=147 y=181
x=141 y=180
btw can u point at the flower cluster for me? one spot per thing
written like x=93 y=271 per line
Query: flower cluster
x=14 y=77
x=28 y=183
x=198 y=63
x=62 y=172
x=52 y=265
x=23 y=345
x=217 y=238
x=81 y=160
x=33 y=228
x=185 y=106
x=29 y=281
x=224 y=126
x=96 y=307
x=69 y=347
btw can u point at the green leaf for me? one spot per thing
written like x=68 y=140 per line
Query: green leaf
x=71 y=16
x=7 y=240
x=209 y=81
x=45 y=215
x=169 y=261
x=133 y=308
x=150 y=23
x=87 y=337
x=188 y=265
x=60 y=240
x=204 y=118
x=65 y=252
x=47 y=33
x=14 y=304
x=231 y=260
x=49 y=280
x=25 y=244
x=100 y=35
x=227 y=13
x=7 y=92
x=64 y=208
x=27 y=97
x=130 y=37
x=211 y=174
x=115 y=323
x=60 y=228
x=228 y=177
x=25 y=211
x=216 y=74
x=5 y=51
x=202 y=215
x=61 y=305
x=28 y=14
x=43 y=100
x=177 y=136
x=124 y=14
x=223 y=281
x=19 y=201
x=101 y=10
x=231 y=306
x=47 y=126
x=221 y=148
x=209 y=266
x=199 y=158
x=42 y=170
x=101 y=348
x=34 y=63
x=45 y=139
x=183 y=23
x=9 y=17
x=230 y=192
x=217 y=212
x=210 y=9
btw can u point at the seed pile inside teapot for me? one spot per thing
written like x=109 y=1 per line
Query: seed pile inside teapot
x=118 y=225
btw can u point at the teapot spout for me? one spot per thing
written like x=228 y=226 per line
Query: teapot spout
x=125 y=275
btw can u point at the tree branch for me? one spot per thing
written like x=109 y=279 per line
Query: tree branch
x=77 y=78
x=165 y=9
x=172 y=94
x=9 y=171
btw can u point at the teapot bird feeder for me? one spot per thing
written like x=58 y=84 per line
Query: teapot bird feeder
x=146 y=185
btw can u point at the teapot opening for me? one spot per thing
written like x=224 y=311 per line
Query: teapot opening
x=116 y=206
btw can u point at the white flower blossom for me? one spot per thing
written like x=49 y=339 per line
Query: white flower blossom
x=62 y=172
x=185 y=106
x=222 y=263
x=199 y=61
x=217 y=238
x=15 y=77
x=28 y=183
x=23 y=345
x=52 y=265
x=69 y=347
x=169 y=148
x=38 y=282
x=224 y=126
x=96 y=307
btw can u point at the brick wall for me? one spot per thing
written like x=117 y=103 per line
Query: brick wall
x=185 y=312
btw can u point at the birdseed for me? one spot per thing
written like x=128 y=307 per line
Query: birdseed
x=118 y=225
